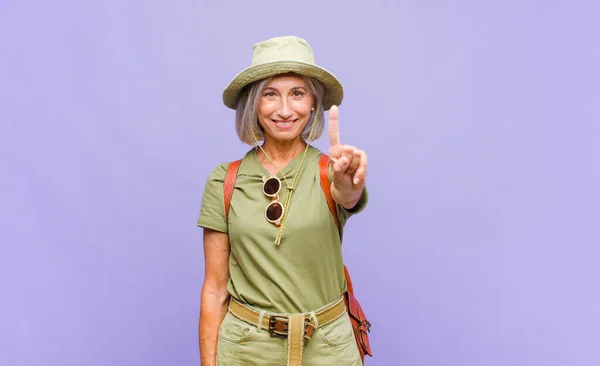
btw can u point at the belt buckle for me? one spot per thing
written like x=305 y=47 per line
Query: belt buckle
x=367 y=325
x=309 y=328
x=278 y=325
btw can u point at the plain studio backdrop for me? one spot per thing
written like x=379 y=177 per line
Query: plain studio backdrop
x=480 y=120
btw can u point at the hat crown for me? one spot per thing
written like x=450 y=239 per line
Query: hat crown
x=288 y=48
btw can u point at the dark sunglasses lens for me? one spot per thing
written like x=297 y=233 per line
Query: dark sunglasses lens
x=274 y=211
x=271 y=186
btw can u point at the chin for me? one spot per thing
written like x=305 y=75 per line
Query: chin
x=286 y=137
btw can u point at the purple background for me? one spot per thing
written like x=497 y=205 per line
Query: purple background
x=481 y=121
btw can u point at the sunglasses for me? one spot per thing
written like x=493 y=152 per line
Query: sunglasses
x=274 y=211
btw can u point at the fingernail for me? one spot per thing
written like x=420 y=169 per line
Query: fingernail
x=356 y=180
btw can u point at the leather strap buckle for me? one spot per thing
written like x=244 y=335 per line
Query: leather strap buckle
x=309 y=328
x=278 y=325
x=367 y=325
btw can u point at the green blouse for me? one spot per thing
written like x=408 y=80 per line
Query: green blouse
x=305 y=271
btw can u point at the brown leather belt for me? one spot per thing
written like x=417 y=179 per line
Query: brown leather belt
x=296 y=327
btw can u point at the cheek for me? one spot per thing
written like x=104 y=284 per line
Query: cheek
x=303 y=108
x=265 y=110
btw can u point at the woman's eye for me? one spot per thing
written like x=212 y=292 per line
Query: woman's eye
x=269 y=94
x=298 y=94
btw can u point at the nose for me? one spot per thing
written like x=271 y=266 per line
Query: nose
x=284 y=111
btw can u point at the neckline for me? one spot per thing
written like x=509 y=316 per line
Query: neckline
x=288 y=168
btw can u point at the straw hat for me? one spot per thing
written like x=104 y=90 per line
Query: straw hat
x=281 y=55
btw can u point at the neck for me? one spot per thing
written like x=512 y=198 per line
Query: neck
x=282 y=152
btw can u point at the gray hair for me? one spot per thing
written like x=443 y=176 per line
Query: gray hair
x=246 y=116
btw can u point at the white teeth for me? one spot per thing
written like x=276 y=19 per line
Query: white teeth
x=285 y=124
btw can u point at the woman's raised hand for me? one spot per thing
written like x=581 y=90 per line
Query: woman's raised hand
x=349 y=165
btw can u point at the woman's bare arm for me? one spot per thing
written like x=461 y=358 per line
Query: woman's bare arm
x=214 y=297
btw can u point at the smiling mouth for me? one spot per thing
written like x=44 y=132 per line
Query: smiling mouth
x=284 y=123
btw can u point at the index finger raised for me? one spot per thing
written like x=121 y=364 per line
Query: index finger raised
x=334 y=126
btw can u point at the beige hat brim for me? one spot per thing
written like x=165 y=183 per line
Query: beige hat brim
x=334 y=92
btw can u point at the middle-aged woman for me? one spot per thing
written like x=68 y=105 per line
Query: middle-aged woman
x=274 y=273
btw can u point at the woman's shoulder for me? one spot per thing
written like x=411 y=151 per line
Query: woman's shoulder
x=219 y=171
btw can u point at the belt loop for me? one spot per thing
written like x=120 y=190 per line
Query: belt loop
x=314 y=318
x=261 y=316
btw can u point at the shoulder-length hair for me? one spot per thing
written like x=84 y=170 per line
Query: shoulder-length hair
x=246 y=116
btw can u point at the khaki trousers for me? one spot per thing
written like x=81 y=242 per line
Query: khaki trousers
x=240 y=343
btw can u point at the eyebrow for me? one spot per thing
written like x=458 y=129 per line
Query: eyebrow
x=294 y=88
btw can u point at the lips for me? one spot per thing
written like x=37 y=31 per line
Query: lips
x=284 y=124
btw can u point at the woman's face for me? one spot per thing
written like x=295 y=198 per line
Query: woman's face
x=284 y=107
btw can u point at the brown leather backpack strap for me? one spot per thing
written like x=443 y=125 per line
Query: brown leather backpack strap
x=360 y=324
x=326 y=186
x=229 y=184
x=348 y=280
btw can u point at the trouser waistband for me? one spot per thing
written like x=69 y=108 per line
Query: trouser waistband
x=296 y=327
